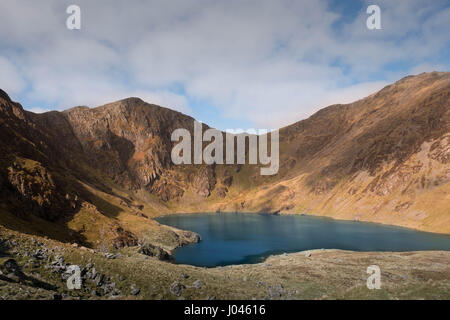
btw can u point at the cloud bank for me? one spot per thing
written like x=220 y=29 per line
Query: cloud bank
x=261 y=62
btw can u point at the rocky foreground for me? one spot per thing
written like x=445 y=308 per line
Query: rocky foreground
x=37 y=268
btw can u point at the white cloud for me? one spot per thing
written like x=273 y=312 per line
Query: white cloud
x=37 y=109
x=267 y=62
x=10 y=79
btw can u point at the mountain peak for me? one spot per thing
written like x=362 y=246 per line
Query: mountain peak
x=127 y=102
x=131 y=100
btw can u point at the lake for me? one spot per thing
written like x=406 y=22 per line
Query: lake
x=238 y=238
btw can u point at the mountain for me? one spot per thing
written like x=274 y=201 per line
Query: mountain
x=98 y=176
x=384 y=158
x=60 y=179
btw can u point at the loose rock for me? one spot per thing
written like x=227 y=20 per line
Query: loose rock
x=177 y=288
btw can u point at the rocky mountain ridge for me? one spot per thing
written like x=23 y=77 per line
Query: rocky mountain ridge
x=98 y=176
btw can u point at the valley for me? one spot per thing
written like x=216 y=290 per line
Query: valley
x=88 y=184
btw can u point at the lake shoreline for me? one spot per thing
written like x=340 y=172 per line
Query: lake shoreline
x=292 y=235
x=319 y=275
x=287 y=213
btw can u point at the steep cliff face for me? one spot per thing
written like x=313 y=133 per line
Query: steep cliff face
x=37 y=192
x=384 y=158
x=129 y=139
x=27 y=186
x=68 y=175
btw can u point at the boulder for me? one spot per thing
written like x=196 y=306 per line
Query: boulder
x=154 y=251
x=177 y=288
x=198 y=284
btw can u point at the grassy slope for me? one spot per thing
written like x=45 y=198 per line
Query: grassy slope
x=326 y=274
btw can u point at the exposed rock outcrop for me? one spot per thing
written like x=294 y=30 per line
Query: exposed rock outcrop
x=154 y=251
x=205 y=181
x=37 y=192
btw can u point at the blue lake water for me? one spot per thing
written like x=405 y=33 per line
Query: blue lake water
x=237 y=238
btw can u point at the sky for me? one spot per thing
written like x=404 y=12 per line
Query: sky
x=231 y=64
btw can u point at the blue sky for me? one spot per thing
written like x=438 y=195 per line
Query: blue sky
x=231 y=64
